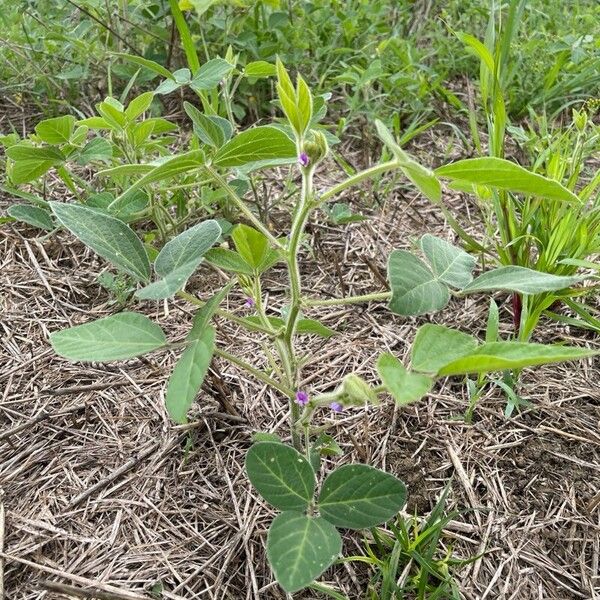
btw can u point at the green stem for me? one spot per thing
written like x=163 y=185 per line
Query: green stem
x=249 y=325
x=260 y=375
x=376 y=296
x=241 y=205
x=366 y=174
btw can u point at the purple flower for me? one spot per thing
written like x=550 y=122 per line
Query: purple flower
x=302 y=398
x=249 y=303
x=336 y=407
x=303 y=159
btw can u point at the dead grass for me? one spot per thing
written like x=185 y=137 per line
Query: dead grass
x=103 y=494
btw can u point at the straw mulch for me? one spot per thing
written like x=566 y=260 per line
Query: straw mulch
x=103 y=497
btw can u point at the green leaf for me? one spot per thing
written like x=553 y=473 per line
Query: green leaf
x=179 y=258
x=146 y=63
x=107 y=236
x=404 y=386
x=31 y=163
x=423 y=179
x=300 y=548
x=120 y=336
x=57 y=130
x=251 y=244
x=310 y=326
x=32 y=215
x=205 y=314
x=360 y=496
x=183 y=163
x=500 y=356
x=210 y=74
x=415 y=289
x=259 y=68
x=281 y=475
x=211 y=130
x=228 y=260
x=96 y=149
x=189 y=372
x=450 y=264
x=436 y=345
x=505 y=175
x=139 y=105
x=520 y=279
x=253 y=145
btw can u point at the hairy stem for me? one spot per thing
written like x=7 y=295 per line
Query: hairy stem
x=241 y=205
x=370 y=172
x=376 y=296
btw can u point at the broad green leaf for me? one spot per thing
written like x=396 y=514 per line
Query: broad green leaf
x=423 y=179
x=415 y=289
x=107 y=236
x=179 y=258
x=126 y=207
x=189 y=373
x=139 y=105
x=251 y=244
x=96 y=149
x=57 y=130
x=304 y=326
x=31 y=162
x=520 y=279
x=450 y=264
x=183 y=163
x=506 y=175
x=209 y=130
x=95 y=123
x=360 y=496
x=259 y=68
x=281 y=475
x=120 y=336
x=257 y=144
x=500 y=356
x=304 y=103
x=404 y=386
x=436 y=345
x=205 y=314
x=300 y=548
x=188 y=246
x=178 y=79
x=228 y=260
x=32 y=215
x=210 y=74
x=169 y=285
x=310 y=326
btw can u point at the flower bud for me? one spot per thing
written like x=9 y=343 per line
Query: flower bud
x=357 y=392
x=316 y=148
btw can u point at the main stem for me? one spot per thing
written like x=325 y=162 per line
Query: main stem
x=285 y=345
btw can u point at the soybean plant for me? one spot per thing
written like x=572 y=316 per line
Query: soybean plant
x=303 y=539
